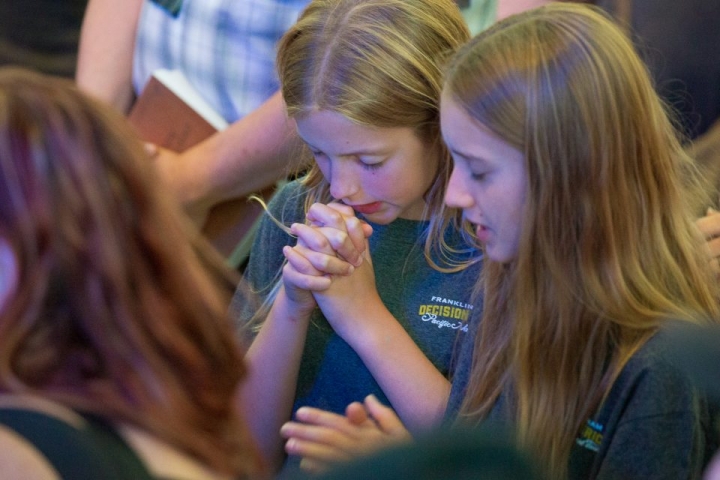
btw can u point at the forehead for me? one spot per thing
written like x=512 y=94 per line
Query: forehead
x=466 y=137
x=333 y=133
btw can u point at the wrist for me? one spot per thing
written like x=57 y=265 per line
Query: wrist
x=297 y=307
x=366 y=331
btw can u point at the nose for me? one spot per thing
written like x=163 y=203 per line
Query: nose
x=343 y=179
x=457 y=194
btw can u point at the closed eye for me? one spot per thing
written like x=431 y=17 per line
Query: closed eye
x=371 y=166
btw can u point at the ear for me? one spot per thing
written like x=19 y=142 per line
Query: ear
x=8 y=271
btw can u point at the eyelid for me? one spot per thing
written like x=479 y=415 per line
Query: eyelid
x=363 y=161
x=371 y=163
x=371 y=166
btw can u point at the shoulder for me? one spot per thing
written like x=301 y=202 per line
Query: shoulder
x=164 y=460
x=20 y=459
x=652 y=408
x=652 y=380
x=289 y=200
x=287 y=206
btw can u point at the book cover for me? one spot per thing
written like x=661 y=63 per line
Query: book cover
x=170 y=113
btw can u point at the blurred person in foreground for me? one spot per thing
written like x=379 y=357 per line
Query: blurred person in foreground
x=116 y=356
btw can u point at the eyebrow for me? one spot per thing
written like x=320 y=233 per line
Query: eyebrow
x=467 y=157
x=382 y=151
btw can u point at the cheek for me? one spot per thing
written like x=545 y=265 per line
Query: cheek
x=382 y=181
x=517 y=212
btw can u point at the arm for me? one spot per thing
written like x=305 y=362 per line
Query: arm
x=107 y=42
x=248 y=156
x=417 y=390
x=273 y=363
x=275 y=355
x=251 y=154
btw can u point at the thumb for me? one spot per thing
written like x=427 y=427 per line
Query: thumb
x=386 y=418
x=356 y=413
x=151 y=149
x=367 y=229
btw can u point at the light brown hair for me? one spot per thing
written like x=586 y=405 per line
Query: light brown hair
x=379 y=64
x=608 y=250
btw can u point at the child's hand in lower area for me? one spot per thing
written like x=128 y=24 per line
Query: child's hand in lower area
x=324 y=438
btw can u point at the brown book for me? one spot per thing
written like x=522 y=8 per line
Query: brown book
x=170 y=113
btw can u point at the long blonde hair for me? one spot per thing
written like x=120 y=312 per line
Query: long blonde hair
x=608 y=249
x=119 y=309
x=379 y=64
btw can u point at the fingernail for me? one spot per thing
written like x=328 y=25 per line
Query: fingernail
x=290 y=445
x=351 y=269
x=301 y=412
x=151 y=149
x=711 y=210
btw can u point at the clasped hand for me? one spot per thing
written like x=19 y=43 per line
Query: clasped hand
x=333 y=245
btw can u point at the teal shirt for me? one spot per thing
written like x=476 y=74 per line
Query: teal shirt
x=433 y=307
x=653 y=423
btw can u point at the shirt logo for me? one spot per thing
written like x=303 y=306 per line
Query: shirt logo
x=446 y=313
x=591 y=437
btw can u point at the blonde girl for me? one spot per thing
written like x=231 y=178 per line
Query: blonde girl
x=362 y=80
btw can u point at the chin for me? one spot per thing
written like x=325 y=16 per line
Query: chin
x=504 y=258
x=381 y=219
x=384 y=217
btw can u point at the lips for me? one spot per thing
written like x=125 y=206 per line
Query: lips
x=367 y=208
x=482 y=233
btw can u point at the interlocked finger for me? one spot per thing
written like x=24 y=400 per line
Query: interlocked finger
x=321 y=263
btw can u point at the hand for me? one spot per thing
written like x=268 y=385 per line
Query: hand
x=349 y=293
x=325 y=438
x=341 y=229
x=335 y=227
x=709 y=226
x=351 y=298
x=334 y=233
x=170 y=166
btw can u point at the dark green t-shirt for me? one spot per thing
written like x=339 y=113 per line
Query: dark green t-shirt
x=432 y=306
x=654 y=423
